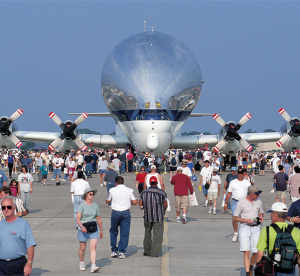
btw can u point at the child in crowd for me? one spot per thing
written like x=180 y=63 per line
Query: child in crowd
x=14 y=187
x=44 y=169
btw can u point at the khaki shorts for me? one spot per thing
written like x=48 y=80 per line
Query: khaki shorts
x=212 y=195
x=181 y=202
x=281 y=194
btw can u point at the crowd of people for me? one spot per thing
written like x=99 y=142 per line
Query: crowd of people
x=241 y=197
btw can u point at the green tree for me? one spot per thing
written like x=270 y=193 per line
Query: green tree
x=88 y=131
x=249 y=130
x=269 y=130
x=28 y=145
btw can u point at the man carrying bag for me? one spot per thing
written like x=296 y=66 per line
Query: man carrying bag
x=282 y=243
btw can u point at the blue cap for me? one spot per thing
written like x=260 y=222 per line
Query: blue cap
x=233 y=168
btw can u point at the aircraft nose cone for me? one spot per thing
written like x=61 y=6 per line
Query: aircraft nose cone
x=152 y=141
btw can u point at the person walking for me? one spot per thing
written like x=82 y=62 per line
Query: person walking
x=121 y=199
x=249 y=213
x=154 y=172
x=16 y=241
x=10 y=163
x=294 y=184
x=205 y=174
x=102 y=167
x=213 y=191
x=90 y=227
x=231 y=176
x=25 y=180
x=237 y=190
x=154 y=202
x=281 y=180
x=182 y=185
x=3 y=179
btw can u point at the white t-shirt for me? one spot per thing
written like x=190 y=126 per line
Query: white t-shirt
x=206 y=173
x=57 y=162
x=102 y=165
x=78 y=186
x=206 y=155
x=24 y=180
x=215 y=181
x=239 y=189
x=187 y=171
x=121 y=197
x=147 y=180
x=116 y=163
x=79 y=158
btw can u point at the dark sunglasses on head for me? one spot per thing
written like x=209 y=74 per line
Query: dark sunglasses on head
x=240 y=172
x=4 y=207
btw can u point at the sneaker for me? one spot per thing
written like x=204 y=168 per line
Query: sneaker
x=101 y=185
x=235 y=237
x=94 y=268
x=210 y=210
x=121 y=255
x=113 y=254
x=272 y=191
x=81 y=266
x=214 y=212
x=64 y=180
x=205 y=204
x=178 y=220
x=183 y=220
x=52 y=179
x=229 y=211
x=57 y=183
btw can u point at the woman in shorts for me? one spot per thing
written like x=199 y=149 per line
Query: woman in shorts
x=88 y=211
x=102 y=166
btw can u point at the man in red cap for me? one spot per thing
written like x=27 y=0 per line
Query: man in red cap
x=154 y=201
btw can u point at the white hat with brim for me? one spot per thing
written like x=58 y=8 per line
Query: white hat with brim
x=111 y=166
x=88 y=190
x=278 y=207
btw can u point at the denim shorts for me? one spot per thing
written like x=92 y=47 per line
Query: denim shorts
x=102 y=171
x=233 y=205
x=56 y=172
x=83 y=237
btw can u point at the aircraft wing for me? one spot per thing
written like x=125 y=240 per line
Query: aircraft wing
x=95 y=141
x=263 y=137
x=102 y=114
x=200 y=114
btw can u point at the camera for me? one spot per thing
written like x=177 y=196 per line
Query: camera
x=256 y=221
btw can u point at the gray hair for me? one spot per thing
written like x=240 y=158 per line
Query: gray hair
x=281 y=215
x=12 y=198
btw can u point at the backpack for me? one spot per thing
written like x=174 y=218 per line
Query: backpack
x=284 y=254
x=146 y=162
x=173 y=161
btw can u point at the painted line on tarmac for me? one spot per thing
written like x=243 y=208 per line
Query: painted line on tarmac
x=164 y=269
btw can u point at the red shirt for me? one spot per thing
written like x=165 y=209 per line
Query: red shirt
x=129 y=156
x=140 y=177
x=182 y=184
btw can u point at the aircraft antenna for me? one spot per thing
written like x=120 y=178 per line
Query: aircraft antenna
x=144 y=26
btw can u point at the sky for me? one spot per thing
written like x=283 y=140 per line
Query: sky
x=52 y=54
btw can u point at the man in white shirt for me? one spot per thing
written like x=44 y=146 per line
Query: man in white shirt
x=77 y=189
x=238 y=189
x=57 y=162
x=205 y=174
x=121 y=199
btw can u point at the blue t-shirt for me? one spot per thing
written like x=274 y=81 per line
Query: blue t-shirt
x=15 y=238
x=26 y=162
x=3 y=178
x=229 y=178
x=281 y=181
x=191 y=166
x=294 y=211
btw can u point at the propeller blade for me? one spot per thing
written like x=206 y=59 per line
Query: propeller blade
x=220 y=145
x=80 y=119
x=245 y=144
x=55 y=118
x=15 y=140
x=16 y=115
x=80 y=144
x=219 y=120
x=285 y=115
x=54 y=144
x=245 y=119
x=283 y=139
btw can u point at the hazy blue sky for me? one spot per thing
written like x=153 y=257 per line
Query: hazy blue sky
x=52 y=53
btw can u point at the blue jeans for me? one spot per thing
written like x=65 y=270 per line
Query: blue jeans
x=284 y=274
x=229 y=201
x=88 y=168
x=123 y=220
x=25 y=197
x=110 y=185
x=66 y=176
x=122 y=168
x=77 y=201
x=233 y=206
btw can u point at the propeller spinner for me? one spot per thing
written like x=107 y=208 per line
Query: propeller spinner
x=5 y=124
x=232 y=132
x=295 y=127
x=68 y=129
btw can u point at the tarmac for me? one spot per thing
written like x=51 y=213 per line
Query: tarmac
x=203 y=246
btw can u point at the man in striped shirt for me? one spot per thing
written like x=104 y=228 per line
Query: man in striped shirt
x=154 y=201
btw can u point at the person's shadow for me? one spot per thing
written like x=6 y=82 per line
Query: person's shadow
x=38 y=271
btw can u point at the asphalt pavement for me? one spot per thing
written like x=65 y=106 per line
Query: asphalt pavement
x=203 y=246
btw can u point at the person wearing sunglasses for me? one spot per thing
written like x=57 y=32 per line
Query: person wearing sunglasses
x=16 y=241
x=88 y=214
x=237 y=190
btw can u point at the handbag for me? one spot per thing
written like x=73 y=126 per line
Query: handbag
x=265 y=266
x=90 y=226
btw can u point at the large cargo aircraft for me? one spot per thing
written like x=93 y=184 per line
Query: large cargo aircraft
x=151 y=82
